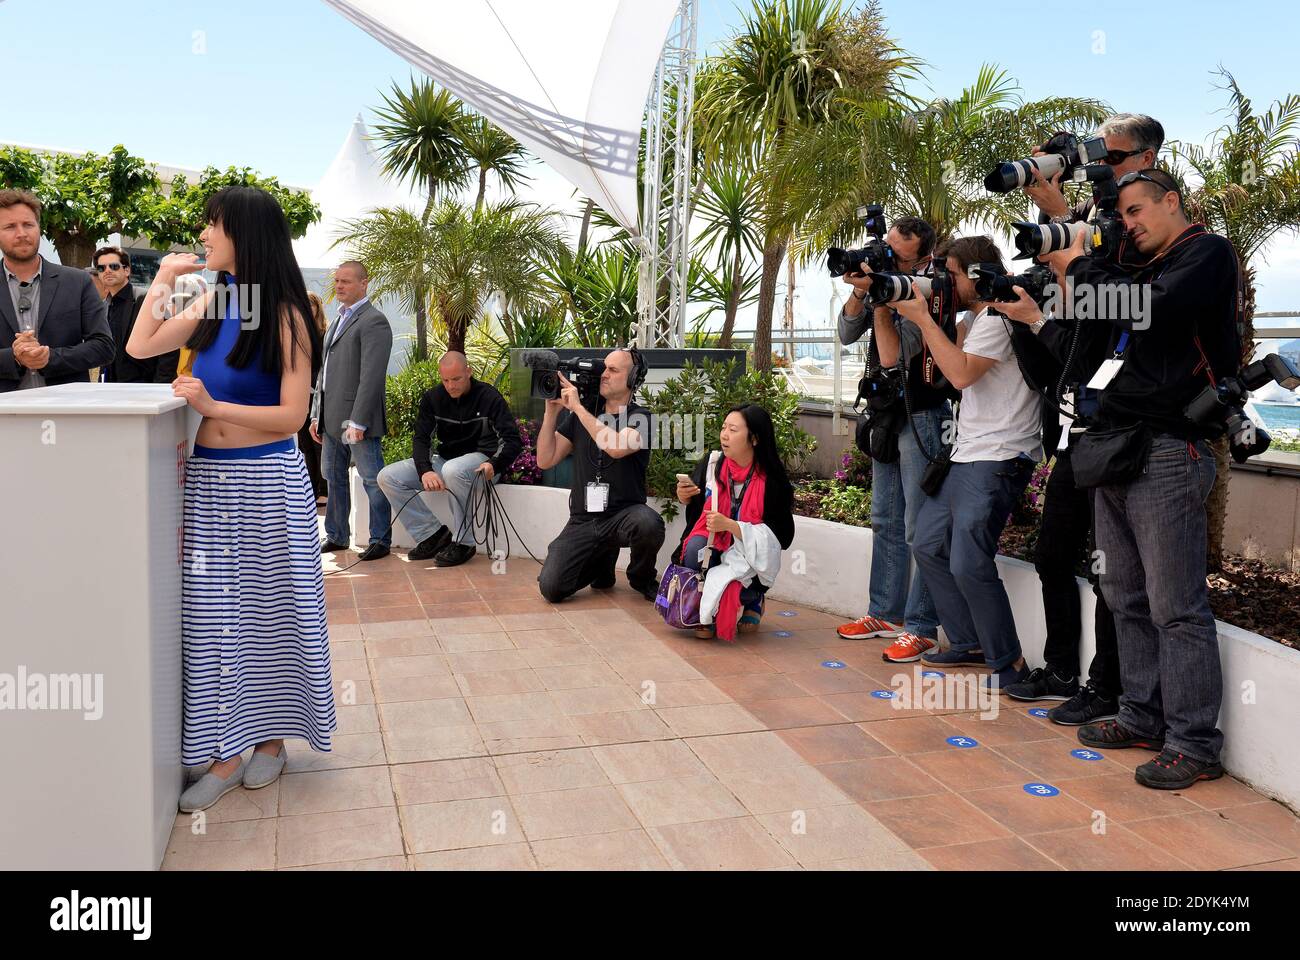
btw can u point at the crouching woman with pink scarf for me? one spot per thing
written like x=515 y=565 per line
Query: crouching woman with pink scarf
x=751 y=523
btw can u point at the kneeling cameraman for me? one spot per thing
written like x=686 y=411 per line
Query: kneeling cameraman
x=1153 y=472
x=607 y=508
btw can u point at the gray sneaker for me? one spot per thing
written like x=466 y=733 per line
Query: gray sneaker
x=264 y=769
x=210 y=788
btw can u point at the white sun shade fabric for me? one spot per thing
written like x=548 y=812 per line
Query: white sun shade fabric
x=569 y=79
x=353 y=186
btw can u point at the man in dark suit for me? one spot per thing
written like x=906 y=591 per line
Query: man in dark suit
x=112 y=265
x=53 y=326
x=347 y=417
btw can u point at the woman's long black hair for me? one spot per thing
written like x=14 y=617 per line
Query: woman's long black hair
x=761 y=431
x=263 y=257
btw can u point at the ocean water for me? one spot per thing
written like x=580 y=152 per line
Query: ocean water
x=1277 y=416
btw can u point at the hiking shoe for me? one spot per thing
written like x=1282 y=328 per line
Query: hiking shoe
x=1086 y=706
x=431 y=546
x=864 y=628
x=1111 y=735
x=953 y=658
x=1042 y=684
x=1175 y=771
x=906 y=648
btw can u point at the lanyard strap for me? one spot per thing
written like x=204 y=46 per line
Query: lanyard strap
x=1123 y=342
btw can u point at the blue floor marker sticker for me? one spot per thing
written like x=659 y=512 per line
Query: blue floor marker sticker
x=1038 y=712
x=883 y=694
x=932 y=673
x=833 y=664
x=964 y=742
x=1085 y=754
x=788 y=613
x=1041 y=789
x=784 y=633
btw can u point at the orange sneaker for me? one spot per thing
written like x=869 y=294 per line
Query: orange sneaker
x=906 y=648
x=864 y=628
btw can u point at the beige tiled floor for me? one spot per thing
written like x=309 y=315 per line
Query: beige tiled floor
x=482 y=728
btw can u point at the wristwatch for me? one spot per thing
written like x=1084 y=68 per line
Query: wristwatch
x=1038 y=324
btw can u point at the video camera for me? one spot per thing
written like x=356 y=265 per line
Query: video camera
x=877 y=254
x=583 y=373
x=1064 y=154
x=1222 y=403
x=1105 y=232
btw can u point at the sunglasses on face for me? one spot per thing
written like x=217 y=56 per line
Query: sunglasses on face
x=1114 y=158
x=101 y=267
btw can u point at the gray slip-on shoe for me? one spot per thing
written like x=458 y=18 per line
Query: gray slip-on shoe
x=264 y=769
x=210 y=788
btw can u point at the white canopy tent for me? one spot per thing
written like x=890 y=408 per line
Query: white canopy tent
x=568 y=80
x=354 y=184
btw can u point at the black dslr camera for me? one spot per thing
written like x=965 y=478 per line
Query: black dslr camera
x=876 y=253
x=995 y=285
x=1222 y=404
x=583 y=373
x=1062 y=154
x=1105 y=233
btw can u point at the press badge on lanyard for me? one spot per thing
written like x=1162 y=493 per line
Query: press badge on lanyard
x=1106 y=372
x=597 y=497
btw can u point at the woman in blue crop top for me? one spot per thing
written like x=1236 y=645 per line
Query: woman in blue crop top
x=255 y=646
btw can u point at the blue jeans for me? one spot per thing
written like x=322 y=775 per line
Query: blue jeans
x=335 y=457
x=1152 y=536
x=751 y=595
x=401 y=482
x=956 y=541
x=896 y=498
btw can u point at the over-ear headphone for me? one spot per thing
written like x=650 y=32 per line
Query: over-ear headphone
x=636 y=376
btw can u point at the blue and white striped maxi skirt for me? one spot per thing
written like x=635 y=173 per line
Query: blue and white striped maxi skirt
x=256 y=649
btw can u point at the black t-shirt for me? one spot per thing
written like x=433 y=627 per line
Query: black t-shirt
x=625 y=475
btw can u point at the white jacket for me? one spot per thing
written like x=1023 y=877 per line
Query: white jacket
x=755 y=552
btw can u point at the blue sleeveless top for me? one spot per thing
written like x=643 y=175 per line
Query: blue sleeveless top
x=249 y=386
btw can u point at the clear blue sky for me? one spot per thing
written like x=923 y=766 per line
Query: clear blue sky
x=281 y=80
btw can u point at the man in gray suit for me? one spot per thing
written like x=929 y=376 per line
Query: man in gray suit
x=53 y=325
x=347 y=414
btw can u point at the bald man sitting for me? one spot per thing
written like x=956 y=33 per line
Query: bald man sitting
x=476 y=433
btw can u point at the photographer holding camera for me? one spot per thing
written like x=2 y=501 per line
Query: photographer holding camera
x=1153 y=471
x=993 y=455
x=1132 y=142
x=898 y=604
x=607 y=502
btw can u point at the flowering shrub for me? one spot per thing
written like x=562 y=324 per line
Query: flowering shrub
x=525 y=469
x=1030 y=507
x=855 y=468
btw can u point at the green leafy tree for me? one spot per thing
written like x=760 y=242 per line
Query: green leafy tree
x=598 y=289
x=925 y=159
x=178 y=218
x=490 y=150
x=456 y=258
x=731 y=231
x=84 y=198
x=782 y=70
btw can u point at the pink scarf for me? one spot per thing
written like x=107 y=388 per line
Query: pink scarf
x=751 y=511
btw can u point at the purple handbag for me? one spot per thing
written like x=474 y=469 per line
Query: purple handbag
x=678 y=600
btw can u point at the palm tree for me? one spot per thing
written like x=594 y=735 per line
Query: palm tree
x=489 y=149
x=1249 y=192
x=459 y=255
x=599 y=290
x=419 y=138
x=728 y=206
x=925 y=159
x=781 y=71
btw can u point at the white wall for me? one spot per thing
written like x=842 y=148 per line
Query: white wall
x=827 y=568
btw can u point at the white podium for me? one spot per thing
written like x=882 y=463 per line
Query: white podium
x=90 y=644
